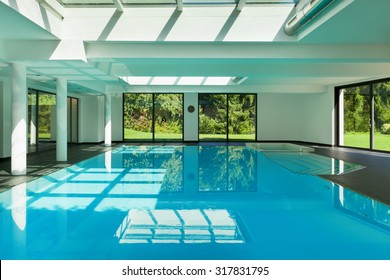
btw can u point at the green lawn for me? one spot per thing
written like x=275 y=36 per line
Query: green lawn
x=42 y=135
x=138 y=135
x=362 y=140
x=248 y=137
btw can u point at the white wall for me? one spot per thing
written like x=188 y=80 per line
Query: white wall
x=91 y=119
x=279 y=116
x=5 y=118
x=190 y=119
x=117 y=116
x=295 y=117
x=317 y=117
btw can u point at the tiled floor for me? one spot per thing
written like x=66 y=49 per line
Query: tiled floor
x=44 y=162
x=372 y=181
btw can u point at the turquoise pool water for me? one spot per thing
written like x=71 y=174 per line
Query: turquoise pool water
x=193 y=202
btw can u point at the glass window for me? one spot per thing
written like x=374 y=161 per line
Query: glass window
x=46 y=116
x=382 y=116
x=227 y=116
x=32 y=120
x=137 y=116
x=242 y=116
x=168 y=116
x=212 y=117
x=72 y=120
x=356 y=102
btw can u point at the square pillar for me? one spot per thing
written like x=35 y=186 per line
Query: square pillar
x=107 y=120
x=19 y=119
x=61 y=120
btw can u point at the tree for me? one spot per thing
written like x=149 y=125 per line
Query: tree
x=241 y=114
x=381 y=105
x=356 y=109
x=137 y=111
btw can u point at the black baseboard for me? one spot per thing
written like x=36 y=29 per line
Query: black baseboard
x=4 y=159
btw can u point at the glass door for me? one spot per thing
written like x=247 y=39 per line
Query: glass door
x=212 y=117
x=168 y=116
x=138 y=116
x=356 y=124
x=242 y=117
x=381 y=135
x=32 y=121
x=73 y=104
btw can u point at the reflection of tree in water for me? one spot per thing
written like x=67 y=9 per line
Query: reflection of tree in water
x=173 y=179
x=242 y=169
x=226 y=168
x=212 y=168
x=171 y=162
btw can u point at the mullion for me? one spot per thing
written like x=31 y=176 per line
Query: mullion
x=153 y=122
x=372 y=120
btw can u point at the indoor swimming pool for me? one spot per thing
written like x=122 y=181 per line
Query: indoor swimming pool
x=194 y=202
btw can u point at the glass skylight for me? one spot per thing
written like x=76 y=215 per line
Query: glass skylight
x=147 y=2
x=210 y=1
x=184 y=81
x=86 y=2
x=129 y=3
x=271 y=1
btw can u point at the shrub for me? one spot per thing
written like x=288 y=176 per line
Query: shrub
x=385 y=129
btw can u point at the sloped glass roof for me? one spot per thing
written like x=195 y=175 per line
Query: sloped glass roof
x=127 y=3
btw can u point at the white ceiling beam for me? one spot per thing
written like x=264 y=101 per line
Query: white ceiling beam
x=118 y=5
x=233 y=89
x=261 y=69
x=363 y=53
x=54 y=10
x=179 y=5
x=241 y=5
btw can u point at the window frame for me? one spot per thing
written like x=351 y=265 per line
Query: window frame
x=339 y=114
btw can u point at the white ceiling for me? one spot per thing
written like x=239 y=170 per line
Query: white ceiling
x=351 y=45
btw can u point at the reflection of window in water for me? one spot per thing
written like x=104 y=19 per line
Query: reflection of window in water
x=227 y=168
x=168 y=161
x=363 y=207
x=179 y=226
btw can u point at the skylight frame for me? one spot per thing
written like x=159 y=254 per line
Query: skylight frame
x=165 y=3
x=182 y=80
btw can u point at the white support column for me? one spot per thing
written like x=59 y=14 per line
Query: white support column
x=19 y=119
x=107 y=118
x=61 y=120
x=191 y=117
x=341 y=118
